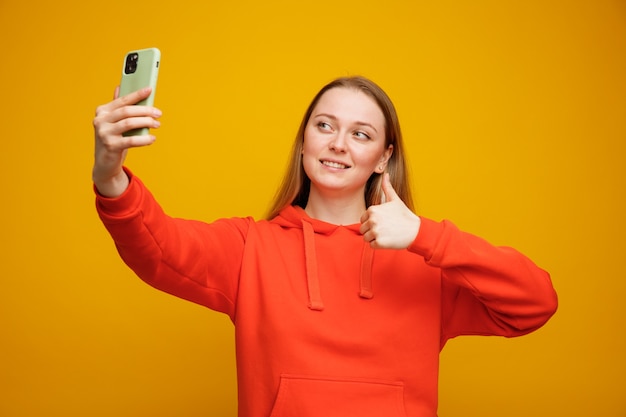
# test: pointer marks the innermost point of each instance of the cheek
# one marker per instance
(311, 144)
(371, 159)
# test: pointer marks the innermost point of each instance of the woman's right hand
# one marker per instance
(111, 121)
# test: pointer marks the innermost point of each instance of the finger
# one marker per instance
(128, 112)
(364, 228)
(364, 217)
(117, 92)
(136, 96)
(127, 100)
(369, 237)
(388, 191)
(127, 142)
(131, 123)
(139, 141)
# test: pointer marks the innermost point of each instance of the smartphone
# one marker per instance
(141, 69)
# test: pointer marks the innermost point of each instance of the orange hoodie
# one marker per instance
(325, 325)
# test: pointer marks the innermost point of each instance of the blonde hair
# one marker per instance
(295, 187)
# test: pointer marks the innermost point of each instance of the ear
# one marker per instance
(382, 163)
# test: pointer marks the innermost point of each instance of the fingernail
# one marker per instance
(157, 123)
(157, 113)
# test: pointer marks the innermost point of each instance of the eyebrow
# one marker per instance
(330, 116)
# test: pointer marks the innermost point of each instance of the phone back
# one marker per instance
(141, 69)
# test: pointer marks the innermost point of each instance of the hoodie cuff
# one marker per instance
(124, 205)
(427, 238)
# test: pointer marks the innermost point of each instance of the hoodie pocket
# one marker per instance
(307, 396)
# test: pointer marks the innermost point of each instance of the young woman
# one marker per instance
(327, 323)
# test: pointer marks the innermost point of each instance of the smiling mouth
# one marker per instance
(336, 165)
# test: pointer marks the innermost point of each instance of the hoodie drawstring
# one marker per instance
(313, 282)
(366, 272)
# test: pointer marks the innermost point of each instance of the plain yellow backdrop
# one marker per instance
(513, 113)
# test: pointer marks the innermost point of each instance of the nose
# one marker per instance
(338, 143)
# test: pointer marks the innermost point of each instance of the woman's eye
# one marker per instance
(323, 125)
(361, 135)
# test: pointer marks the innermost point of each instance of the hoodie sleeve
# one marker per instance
(486, 290)
(196, 261)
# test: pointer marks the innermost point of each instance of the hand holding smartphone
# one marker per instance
(141, 69)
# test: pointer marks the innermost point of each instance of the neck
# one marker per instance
(341, 210)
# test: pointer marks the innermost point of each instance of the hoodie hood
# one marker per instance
(295, 217)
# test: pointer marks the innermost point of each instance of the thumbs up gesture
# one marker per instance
(390, 225)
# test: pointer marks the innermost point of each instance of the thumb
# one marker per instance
(388, 191)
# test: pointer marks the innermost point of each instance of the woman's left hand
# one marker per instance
(390, 225)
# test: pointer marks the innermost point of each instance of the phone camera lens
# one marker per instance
(131, 63)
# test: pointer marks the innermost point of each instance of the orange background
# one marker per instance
(513, 114)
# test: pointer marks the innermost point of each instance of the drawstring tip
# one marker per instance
(366, 293)
(316, 305)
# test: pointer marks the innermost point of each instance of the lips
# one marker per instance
(334, 164)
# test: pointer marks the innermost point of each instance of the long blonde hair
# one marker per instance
(295, 187)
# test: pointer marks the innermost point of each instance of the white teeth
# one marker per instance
(334, 164)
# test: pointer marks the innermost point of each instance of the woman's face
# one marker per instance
(344, 142)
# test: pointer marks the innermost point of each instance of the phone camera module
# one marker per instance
(131, 63)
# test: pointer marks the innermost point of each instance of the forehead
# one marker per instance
(350, 105)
